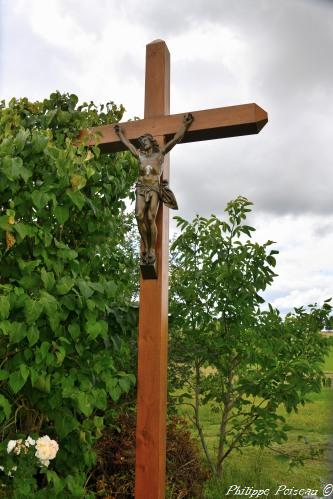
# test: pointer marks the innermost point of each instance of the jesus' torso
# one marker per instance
(150, 167)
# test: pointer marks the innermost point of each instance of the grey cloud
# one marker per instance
(287, 168)
(277, 170)
(323, 229)
(24, 59)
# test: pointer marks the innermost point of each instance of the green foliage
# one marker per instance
(225, 349)
(66, 280)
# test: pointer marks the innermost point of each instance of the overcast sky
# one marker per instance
(275, 53)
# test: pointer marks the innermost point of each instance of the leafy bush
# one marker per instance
(229, 353)
(65, 283)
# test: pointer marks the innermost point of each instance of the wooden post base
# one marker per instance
(148, 270)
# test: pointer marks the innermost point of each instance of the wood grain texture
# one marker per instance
(153, 314)
(219, 123)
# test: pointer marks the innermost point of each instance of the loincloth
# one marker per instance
(165, 194)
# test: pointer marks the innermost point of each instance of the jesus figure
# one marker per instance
(150, 190)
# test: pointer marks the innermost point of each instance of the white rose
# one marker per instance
(10, 446)
(29, 441)
(46, 448)
(2, 468)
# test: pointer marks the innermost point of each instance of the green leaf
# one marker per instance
(6, 327)
(90, 171)
(271, 260)
(60, 354)
(64, 285)
(125, 384)
(32, 309)
(61, 213)
(3, 374)
(97, 286)
(115, 393)
(24, 230)
(43, 384)
(4, 225)
(39, 142)
(29, 281)
(85, 288)
(28, 266)
(84, 404)
(65, 422)
(41, 381)
(20, 139)
(99, 422)
(33, 335)
(67, 383)
(75, 485)
(97, 328)
(66, 254)
(24, 370)
(69, 301)
(111, 289)
(40, 199)
(113, 388)
(17, 381)
(78, 182)
(100, 399)
(25, 173)
(11, 167)
(6, 407)
(48, 279)
(53, 478)
(18, 332)
(4, 307)
(77, 198)
(49, 303)
(74, 330)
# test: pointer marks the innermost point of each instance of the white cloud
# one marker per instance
(304, 264)
(55, 26)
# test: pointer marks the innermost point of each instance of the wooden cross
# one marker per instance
(153, 312)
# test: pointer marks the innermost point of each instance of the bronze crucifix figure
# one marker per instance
(150, 190)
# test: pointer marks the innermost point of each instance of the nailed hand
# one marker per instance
(188, 118)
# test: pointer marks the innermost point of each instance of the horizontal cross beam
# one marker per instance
(232, 121)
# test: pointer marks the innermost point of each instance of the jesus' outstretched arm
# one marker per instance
(187, 120)
(125, 141)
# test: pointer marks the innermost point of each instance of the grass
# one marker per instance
(328, 365)
(261, 468)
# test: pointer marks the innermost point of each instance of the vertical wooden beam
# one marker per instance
(153, 314)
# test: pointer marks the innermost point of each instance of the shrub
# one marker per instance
(228, 352)
(65, 283)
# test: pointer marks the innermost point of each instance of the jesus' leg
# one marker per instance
(140, 207)
(152, 229)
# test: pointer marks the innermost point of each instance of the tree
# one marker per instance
(65, 283)
(226, 350)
